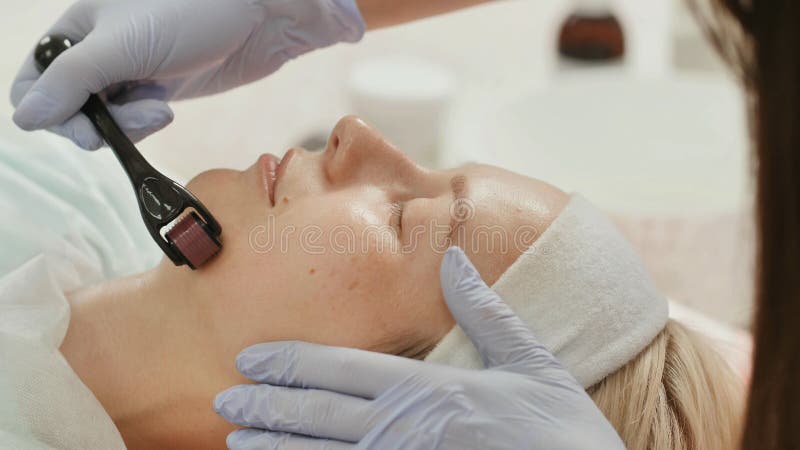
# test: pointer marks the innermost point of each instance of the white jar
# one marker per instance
(406, 99)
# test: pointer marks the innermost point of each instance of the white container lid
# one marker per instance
(405, 98)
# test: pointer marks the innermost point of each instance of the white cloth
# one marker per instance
(583, 291)
(69, 220)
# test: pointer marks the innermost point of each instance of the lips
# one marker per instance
(269, 165)
(272, 169)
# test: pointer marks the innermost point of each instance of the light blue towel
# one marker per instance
(68, 218)
(51, 191)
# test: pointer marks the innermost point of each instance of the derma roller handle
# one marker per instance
(46, 52)
(191, 241)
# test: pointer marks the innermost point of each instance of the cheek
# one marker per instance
(245, 215)
(284, 285)
(422, 286)
(212, 186)
(388, 303)
(369, 302)
(233, 200)
(333, 299)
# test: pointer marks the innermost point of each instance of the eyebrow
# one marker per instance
(458, 185)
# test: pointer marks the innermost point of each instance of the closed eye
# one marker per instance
(396, 216)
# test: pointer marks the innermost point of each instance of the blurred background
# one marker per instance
(657, 138)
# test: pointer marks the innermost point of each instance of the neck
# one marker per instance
(146, 347)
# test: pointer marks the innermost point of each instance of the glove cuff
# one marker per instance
(310, 24)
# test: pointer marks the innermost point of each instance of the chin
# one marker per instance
(211, 183)
(199, 181)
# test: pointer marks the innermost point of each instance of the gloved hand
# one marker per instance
(142, 53)
(316, 397)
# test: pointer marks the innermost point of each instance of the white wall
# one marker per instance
(494, 45)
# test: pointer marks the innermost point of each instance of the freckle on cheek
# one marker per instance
(312, 271)
(352, 286)
(285, 200)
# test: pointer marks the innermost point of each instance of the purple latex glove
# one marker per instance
(140, 54)
(316, 397)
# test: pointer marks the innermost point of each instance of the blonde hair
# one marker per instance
(677, 394)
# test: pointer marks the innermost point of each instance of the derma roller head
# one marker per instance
(176, 219)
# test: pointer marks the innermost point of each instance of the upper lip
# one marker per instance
(284, 163)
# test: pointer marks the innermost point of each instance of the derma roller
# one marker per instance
(192, 235)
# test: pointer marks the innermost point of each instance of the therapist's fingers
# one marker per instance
(344, 370)
(26, 77)
(253, 439)
(80, 131)
(141, 118)
(75, 23)
(311, 412)
(137, 119)
(500, 336)
(87, 67)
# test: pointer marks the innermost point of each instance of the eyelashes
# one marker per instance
(459, 186)
(396, 216)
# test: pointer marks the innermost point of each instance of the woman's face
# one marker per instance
(343, 247)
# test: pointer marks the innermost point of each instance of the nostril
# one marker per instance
(332, 148)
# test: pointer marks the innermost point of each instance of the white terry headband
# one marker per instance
(584, 293)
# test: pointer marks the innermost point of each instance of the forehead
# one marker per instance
(510, 193)
(488, 174)
(511, 212)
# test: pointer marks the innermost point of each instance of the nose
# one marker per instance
(356, 152)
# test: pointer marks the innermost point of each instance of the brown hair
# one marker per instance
(677, 394)
(761, 40)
